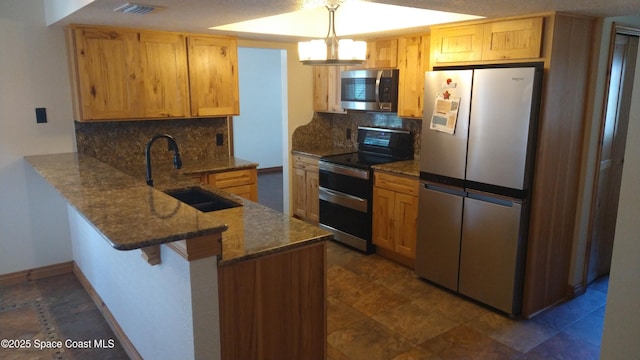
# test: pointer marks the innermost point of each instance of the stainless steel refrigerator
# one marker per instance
(476, 163)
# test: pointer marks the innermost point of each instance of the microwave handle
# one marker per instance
(378, 78)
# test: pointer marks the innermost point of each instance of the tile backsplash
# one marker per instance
(329, 130)
(123, 142)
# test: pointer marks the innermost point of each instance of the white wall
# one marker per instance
(168, 311)
(33, 73)
(257, 132)
(622, 318)
(58, 9)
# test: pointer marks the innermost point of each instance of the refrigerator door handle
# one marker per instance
(445, 189)
(492, 198)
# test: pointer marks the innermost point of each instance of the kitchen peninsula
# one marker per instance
(236, 283)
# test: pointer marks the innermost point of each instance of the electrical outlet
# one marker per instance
(348, 133)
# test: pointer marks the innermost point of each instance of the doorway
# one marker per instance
(613, 135)
(258, 130)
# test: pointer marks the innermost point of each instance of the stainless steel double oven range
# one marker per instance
(346, 184)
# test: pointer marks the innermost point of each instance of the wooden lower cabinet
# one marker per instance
(306, 205)
(240, 182)
(395, 216)
(274, 307)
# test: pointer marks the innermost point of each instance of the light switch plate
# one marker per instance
(41, 115)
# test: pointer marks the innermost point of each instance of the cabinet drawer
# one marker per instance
(396, 183)
(305, 163)
(232, 178)
(243, 191)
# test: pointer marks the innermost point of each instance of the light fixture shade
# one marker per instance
(332, 51)
(314, 50)
(352, 50)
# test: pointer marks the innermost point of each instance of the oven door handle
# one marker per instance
(342, 199)
(343, 170)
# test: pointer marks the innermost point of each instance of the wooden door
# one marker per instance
(163, 83)
(413, 61)
(381, 54)
(321, 88)
(299, 193)
(213, 76)
(312, 183)
(458, 43)
(406, 224)
(106, 68)
(512, 39)
(383, 218)
(326, 89)
(612, 146)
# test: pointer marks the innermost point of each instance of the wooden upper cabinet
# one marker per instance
(413, 61)
(512, 39)
(326, 89)
(382, 54)
(162, 82)
(213, 76)
(105, 73)
(488, 41)
(125, 74)
(454, 44)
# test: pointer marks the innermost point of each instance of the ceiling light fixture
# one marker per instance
(332, 51)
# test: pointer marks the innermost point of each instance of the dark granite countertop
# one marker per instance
(406, 167)
(132, 215)
(215, 164)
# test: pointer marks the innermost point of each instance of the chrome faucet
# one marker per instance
(172, 145)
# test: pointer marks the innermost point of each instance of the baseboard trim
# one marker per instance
(127, 345)
(270, 170)
(576, 290)
(37, 273)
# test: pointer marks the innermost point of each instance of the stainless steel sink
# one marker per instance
(201, 199)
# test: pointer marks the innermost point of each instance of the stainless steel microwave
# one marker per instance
(369, 90)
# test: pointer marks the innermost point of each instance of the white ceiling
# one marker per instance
(199, 15)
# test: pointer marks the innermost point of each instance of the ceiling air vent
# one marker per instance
(138, 9)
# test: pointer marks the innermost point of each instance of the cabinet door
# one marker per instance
(299, 190)
(383, 222)
(459, 43)
(213, 76)
(326, 89)
(406, 221)
(312, 182)
(163, 76)
(382, 54)
(512, 39)
(106, 70)
(413, 61)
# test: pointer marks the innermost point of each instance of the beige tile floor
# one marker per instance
(380, 310)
